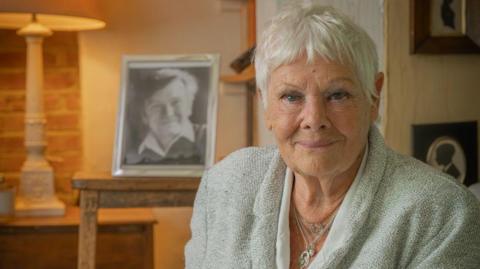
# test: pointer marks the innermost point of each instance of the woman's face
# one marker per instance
(319, 116)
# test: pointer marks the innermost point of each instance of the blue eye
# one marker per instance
(292, 98)
(338, 96)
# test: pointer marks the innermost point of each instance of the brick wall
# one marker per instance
(62, 107)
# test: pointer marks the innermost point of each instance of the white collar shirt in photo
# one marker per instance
(152, 144)
(335, 235)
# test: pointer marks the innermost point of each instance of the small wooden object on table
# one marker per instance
(100, 190)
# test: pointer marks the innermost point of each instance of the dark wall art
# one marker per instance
(444, 26)
(449, 147)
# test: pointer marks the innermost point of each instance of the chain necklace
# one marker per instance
(318, 230)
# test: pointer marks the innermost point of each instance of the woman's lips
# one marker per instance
(315, 144)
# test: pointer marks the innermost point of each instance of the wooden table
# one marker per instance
(100, 190)
(125, 240)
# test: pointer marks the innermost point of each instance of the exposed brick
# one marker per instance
(12, 81)
(69, 163)
(60, 102)
(12, 178)
(63, 181)
(16, 103)
(64, 142)
(12, 122)
(59, 80)
(71, 58)
(63, 121)
(64, 39)
(10, 39)
(11, 162)
(13, 59)
(12, 103)
(3, 104)
(72, 101)
(53, 102)
(60, 57)
(64, 175)
(12, 144)
(50, 59)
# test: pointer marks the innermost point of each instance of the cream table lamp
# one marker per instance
(35, 21)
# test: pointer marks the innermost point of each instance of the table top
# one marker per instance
(104, 180)
(72, 217)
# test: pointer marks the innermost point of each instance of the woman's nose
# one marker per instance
(315, 114)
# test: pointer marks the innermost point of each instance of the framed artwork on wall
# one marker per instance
(166, 119)
(449, 147)
(444, 26)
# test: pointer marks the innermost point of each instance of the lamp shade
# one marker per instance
(58, 15)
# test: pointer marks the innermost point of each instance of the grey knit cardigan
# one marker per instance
(406, 215)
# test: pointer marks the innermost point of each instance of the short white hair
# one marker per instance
(305, 29)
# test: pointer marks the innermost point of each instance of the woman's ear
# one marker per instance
(379, 79)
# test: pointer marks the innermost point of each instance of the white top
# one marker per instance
(475, 188)
(150, 142)
(334, 236)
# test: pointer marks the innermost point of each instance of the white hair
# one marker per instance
(302, 29)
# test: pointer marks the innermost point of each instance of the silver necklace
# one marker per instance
(318, 230)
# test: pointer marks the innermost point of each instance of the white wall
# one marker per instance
(154, 27)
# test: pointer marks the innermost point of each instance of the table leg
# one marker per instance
(87, 229)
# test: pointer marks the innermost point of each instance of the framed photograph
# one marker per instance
(166, 119)
(449, 147)
(445, 26)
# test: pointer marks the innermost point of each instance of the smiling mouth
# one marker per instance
(315, 144)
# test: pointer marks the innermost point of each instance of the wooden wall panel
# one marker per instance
(424, 88)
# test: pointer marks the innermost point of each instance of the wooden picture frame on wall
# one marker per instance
(444, 26)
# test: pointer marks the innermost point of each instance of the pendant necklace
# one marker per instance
(317, 230)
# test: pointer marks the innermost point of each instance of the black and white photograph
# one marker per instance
(166, 121)
(447, 155)
(449, 147)
(447, 18)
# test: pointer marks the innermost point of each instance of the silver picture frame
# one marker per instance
(167, 116)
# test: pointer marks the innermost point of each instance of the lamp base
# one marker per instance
(51, 207)
(37, 194)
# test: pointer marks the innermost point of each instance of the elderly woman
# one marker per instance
(332, 195)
